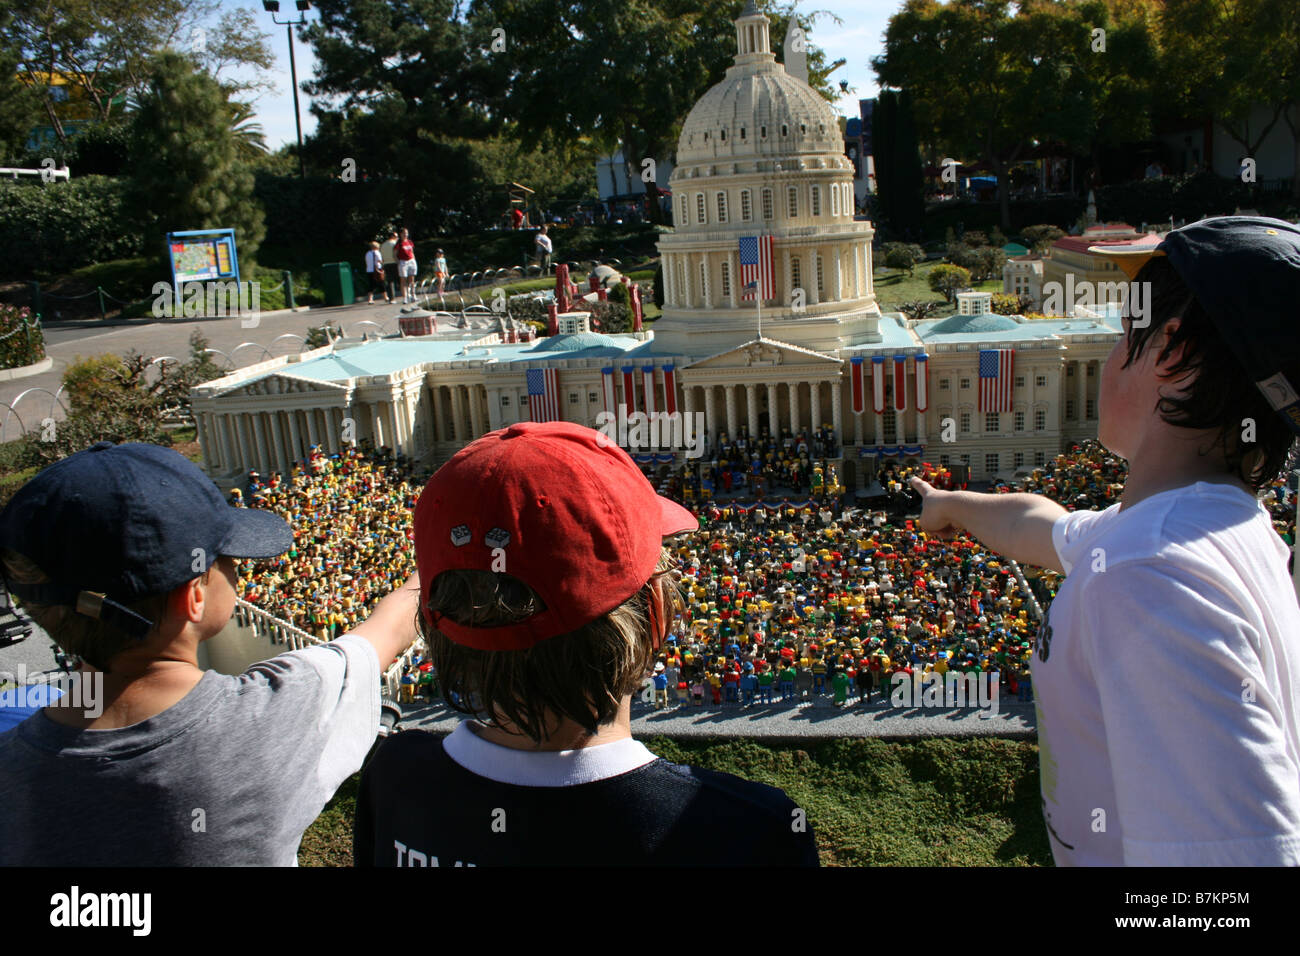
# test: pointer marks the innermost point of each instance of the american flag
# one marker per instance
(757, 266)
(543, 395)
(995, 379)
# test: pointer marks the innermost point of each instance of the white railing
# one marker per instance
(264, 623)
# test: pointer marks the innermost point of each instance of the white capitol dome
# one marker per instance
(759, 110)
(761, 154)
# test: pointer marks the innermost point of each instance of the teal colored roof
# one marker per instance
(983, 324)
(1015, 249)
(577, 342)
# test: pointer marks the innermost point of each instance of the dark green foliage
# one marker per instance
(46, 227)
(185, 167)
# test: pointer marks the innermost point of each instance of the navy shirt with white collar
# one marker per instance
(465, 801)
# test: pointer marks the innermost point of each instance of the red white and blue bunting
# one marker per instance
(878, 383)
(629, 388)
(855, 378)
(922, 382)
(607, 380)
(648, 371)
(670, 390)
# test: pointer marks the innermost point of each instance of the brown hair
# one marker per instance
(92, 640)
(583, 675)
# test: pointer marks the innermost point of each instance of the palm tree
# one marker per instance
(250, 141)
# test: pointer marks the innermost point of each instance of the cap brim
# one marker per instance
(257, 534)
(674, 519)
(1130, 261)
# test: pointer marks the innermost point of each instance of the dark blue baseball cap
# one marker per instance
(1245, 272)
(116, 523)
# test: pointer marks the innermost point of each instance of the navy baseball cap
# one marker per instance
(1245, 272)
(116, 523)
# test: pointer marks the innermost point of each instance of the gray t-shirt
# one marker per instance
(230, 775)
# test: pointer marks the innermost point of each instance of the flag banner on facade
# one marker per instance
(878, 383)
(670, 390)
(629, 388)
(890, 451)
(995, 379)
(607, 380)
(855, 378)
(657, 458)
(922, 382)
(757, 266)
(900, 383)
(648, 371)
(543, 394)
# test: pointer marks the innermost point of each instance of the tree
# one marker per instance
(903, 255)
(949, 280)
(1039, 238)
(1027, 75)
(643, 64)
(919, 309)
(404, 87)
(22, 105)
(185, 170)
(1011, 303)
(250, 141)
(105, 49)
(900, 180)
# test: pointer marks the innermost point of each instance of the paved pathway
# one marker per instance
(68, 341)
(791, 721)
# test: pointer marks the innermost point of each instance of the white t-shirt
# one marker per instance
(1167, 678)
(543, 243)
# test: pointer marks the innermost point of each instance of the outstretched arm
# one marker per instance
(390, 628)
(1018, 526)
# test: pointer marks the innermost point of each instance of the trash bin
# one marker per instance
(336, 280)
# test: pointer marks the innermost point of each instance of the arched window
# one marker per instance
(722, 207)
(816, 200)
(835, 200)
(746, 209)
(768, 211)
(701, 214)
(792, 203)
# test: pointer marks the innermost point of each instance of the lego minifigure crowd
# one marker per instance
(784, 601)
(351, 520)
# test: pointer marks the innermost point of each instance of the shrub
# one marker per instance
(60, 226)
(1039, 238)
(1011, 303)
(903, 255)
(22, 341)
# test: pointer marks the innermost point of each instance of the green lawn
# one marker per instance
(935, 802)
(894, 287)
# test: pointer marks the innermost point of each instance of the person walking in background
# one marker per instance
(544, 250)
(388, 253)
(440, 271)
(375, 272)
(406, 266)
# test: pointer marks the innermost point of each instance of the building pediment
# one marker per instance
(280, 384)
(763, 352)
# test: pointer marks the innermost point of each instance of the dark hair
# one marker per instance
(1220, 394)
(583, 675)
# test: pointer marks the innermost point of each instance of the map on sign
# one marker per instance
(202, 255)
(196, 260)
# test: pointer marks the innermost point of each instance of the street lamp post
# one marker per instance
(273, 7)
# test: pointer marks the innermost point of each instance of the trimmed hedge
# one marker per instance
(52, 228)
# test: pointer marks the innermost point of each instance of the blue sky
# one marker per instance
(859, 38)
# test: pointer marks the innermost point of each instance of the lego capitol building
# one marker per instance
(759, 155)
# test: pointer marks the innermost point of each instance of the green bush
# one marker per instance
(22, 341)
(1011, 303)
(53, 228)
(948, 280)
(903, 255)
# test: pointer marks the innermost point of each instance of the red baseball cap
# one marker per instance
(556, 505)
